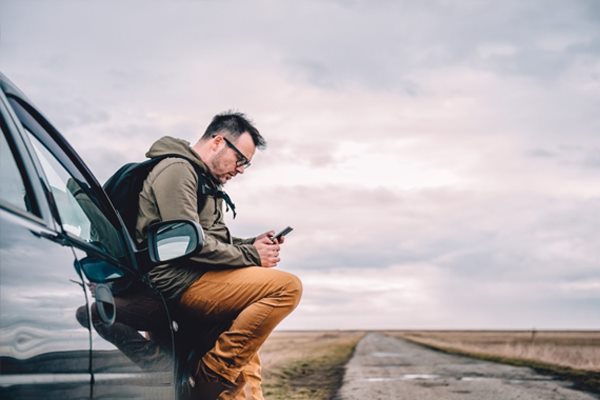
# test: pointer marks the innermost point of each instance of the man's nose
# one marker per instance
(240, 169)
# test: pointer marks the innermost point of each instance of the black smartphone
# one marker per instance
(284, 232)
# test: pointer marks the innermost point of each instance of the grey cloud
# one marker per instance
(541, 153)
(126, 143)
(105, 162)
(316, 153)
(124, 75)
(569, 156)
(474, 237)
(74, 114)
(536, 64)
(570, 148)
(315, 73)
(592, 158)
(449, 301)
(375, 44)
(322, 160)
(382, 55)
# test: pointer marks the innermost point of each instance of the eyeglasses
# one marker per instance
(242, 161)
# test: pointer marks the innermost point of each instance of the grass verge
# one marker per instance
(582, 379)
(314, 377)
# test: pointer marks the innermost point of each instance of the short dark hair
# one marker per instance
(234, 124)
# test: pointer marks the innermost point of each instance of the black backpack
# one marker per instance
(124, 186)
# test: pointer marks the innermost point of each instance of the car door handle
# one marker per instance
(105, 304)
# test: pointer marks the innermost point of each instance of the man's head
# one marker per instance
(228, 145)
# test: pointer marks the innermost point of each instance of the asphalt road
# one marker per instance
(389, 368)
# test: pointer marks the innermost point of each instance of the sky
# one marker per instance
(438, 160)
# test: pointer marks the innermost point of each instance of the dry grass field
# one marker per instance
(575, 349)
(573, 354)
(306, 365)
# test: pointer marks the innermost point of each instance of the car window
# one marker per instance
(12, 184)
(77, 202)
(79, 214)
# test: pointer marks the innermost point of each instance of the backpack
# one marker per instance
(124, 186)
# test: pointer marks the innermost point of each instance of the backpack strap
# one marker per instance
(206, 186)
(206, 190)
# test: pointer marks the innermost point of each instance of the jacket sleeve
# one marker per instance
(242, 241)
(175, 192)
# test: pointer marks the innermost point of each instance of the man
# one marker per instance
(230, 279)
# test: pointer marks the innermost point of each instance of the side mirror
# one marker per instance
(171, 240)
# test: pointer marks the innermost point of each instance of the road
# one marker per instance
(390, 368)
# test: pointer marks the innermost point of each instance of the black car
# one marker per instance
(78, 320)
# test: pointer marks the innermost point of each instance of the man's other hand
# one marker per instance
(268, 249)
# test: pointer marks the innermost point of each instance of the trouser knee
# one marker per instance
(293, 288)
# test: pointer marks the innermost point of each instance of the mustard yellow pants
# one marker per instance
(256, 299)
(249, 383)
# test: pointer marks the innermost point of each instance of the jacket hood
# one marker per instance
(170, 145)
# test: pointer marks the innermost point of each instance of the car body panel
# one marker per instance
(54, 341)
(43, 350)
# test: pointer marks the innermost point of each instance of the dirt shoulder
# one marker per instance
(306, 365)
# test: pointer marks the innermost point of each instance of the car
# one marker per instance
(78, 318)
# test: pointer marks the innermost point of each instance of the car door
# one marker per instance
(131, 338)
(44, 351)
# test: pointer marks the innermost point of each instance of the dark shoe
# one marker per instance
(207, 384)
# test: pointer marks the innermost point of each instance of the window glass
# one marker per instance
(80, 216)
(12, 187)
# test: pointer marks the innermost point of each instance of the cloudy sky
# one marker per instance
(439, 160)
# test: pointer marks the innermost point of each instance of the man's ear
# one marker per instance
(216, 142)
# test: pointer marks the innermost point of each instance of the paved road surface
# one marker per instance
(390, 368)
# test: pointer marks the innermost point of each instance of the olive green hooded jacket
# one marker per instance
(171, 192)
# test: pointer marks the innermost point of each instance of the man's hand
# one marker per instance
(268, 249)
(270, 235)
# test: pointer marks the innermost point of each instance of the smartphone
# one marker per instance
(284, 232)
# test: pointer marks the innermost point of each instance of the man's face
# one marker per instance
(226, 162)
